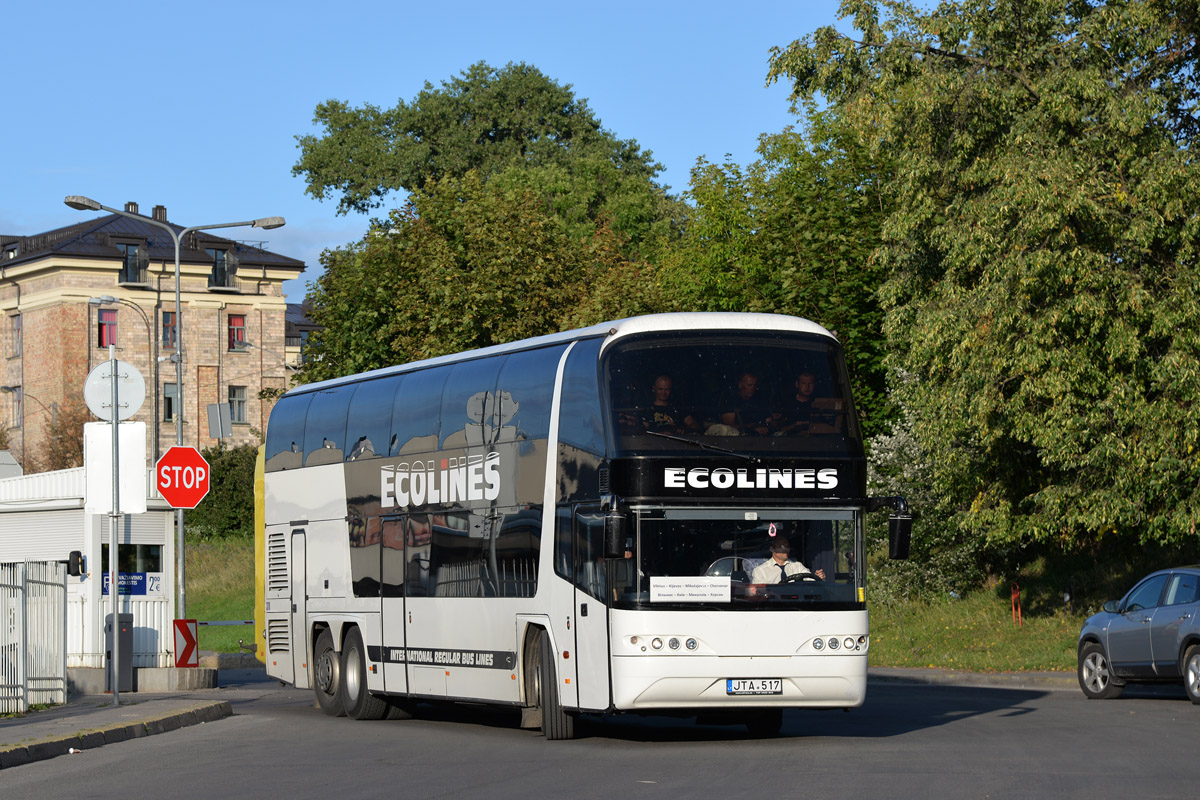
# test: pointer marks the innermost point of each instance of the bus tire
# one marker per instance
(327, 676)
(556, 723)
(360, 703)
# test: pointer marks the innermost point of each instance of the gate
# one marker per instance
(33, 635)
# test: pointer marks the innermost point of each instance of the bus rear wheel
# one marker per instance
(556, 723)
(359, 702)
(327, 676)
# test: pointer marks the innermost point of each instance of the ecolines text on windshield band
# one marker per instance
(447, 479)
(722, 478)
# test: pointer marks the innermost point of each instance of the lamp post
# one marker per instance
(266, 223)
(151, 352)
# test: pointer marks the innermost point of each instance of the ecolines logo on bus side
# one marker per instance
(418, 483)
(705, 478)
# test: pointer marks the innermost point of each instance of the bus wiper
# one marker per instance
(703, 445)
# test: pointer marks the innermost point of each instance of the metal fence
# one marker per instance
(33, 635)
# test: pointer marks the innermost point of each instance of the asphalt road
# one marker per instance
(907, 741)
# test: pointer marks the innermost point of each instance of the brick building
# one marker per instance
(66, 294)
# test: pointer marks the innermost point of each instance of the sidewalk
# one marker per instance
(89, 721)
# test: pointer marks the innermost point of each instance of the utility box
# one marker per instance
(124, 651)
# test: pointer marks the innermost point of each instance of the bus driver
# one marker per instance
(780, 566)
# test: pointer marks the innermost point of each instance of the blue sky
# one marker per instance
(197, 106)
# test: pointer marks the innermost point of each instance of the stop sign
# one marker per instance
(182, 477)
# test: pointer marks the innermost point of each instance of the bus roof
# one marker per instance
(649, 323)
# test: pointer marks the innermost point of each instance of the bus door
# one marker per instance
(391, 590)
(299, 596)
(592, 594)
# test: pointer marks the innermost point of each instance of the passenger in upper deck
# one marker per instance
(797, 412)
(663, 415)
(744, 412)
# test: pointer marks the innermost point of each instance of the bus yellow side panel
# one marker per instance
(260, 557)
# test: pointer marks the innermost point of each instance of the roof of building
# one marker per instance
(98, 238)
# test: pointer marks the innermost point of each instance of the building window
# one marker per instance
(237, 331)
(237, 404)
(106, 327)
(134, 261)
(169, 326)
(14, 335)
(17, 395)
(170, 401)
(224, 271)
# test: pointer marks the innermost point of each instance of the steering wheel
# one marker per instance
(801, 576)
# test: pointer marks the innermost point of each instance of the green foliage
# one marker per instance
(228, 509)
(1041, 253)
(466, 264)
(792, 233)
(513, 122)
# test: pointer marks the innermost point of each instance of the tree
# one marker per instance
(792, 233)
(465, 264)
(62, 447)
(228, 509)
(493, 122)
(1041, 252)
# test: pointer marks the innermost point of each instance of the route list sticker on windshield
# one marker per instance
(690, 590)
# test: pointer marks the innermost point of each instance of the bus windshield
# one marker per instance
(731, 559)
(779, 393)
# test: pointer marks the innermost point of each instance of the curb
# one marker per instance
(89, 740)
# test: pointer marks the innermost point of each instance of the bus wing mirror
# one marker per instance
(614, 535)
(75, 563)
(899, 536)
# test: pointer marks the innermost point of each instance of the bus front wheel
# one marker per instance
(327, 676)
(556, 723)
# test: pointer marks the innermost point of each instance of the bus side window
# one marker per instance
(469, 404)
(369, 426)
(285, 432)
(416, 410)
(325, 428)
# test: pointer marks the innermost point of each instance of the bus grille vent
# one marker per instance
(604, 486)
(278, 636)
(277, 566)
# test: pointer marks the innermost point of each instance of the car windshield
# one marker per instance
(742, 559)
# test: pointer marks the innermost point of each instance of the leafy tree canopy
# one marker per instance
(792, 234)
(492, 122)
(1041, 250)
(465, 264)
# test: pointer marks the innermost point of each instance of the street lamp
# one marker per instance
(151, 352)
(266, 223)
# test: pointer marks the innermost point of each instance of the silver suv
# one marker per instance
(1151, 635)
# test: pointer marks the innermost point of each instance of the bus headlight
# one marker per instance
(818, 643)
(673, 643)
(833, 643)
(656, 643)
(849, 643)
(691, 644)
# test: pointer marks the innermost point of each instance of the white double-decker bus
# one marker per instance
(577, 523)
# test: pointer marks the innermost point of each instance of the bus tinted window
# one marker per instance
(469, 404)
(580, 422)
(526, 391)
(369, 430)
(325, 428)
(779, 393)
(285, 433)
(415, 412)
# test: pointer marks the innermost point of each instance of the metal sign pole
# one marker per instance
(114, 577)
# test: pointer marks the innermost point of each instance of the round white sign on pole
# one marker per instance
(131, 390)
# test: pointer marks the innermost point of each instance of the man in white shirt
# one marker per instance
(780, 566)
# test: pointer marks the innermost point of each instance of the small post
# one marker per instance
(114, 578)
